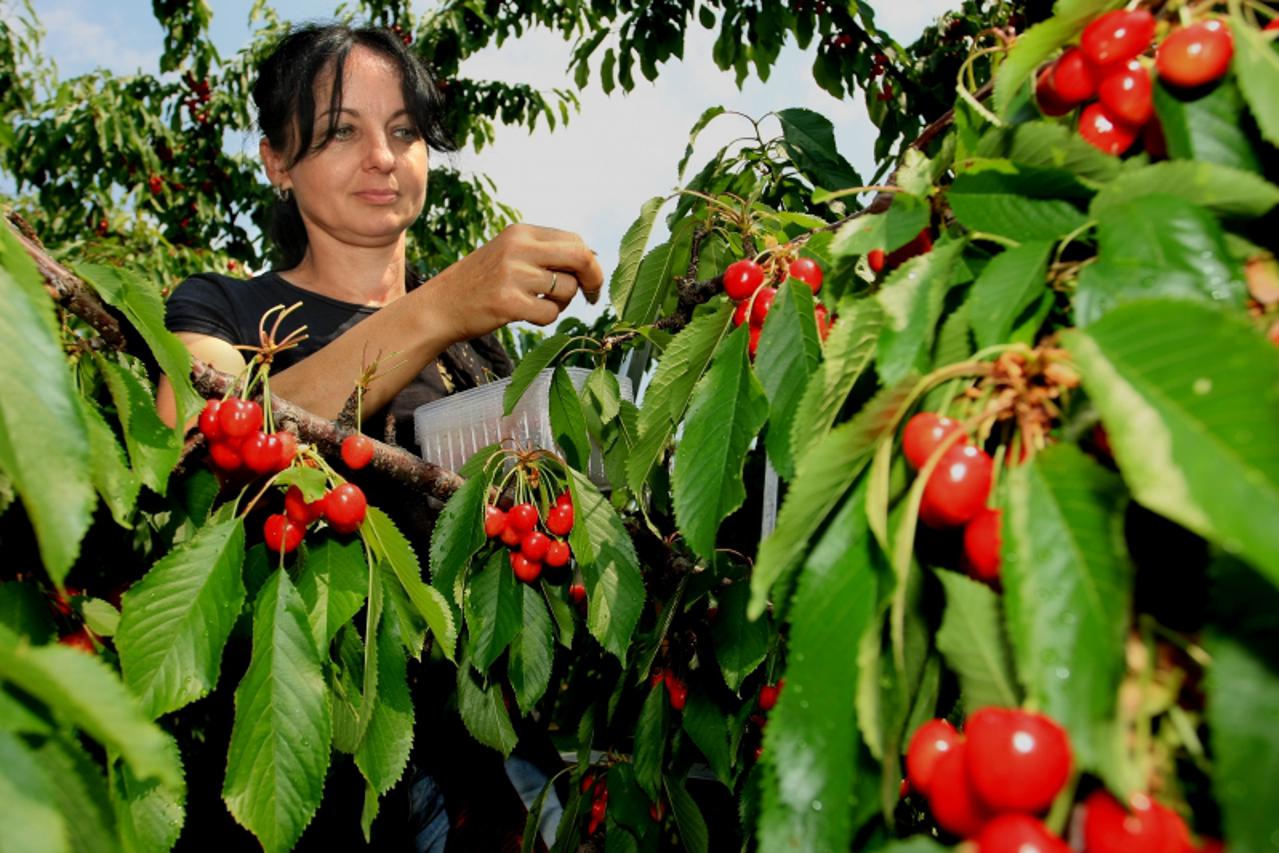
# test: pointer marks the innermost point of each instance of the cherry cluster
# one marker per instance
(599, 801)
(768, 696)
(676, 688)
(233, 429)
(343, 507)
(1108, 74)
(744, 284)
(956, 493)
(878, 260)
(530, 547)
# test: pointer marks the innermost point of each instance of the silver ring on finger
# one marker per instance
(554, 281)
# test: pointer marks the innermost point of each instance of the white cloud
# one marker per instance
(81, 37)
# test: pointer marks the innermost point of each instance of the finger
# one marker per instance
(571, 255)
(562, 288)
(540, 312)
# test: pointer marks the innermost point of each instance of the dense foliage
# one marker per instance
(1021, 411)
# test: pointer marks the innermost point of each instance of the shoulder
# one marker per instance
(220, 305)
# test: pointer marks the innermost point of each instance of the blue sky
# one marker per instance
(591, 176)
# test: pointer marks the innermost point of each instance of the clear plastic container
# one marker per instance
(451, 430)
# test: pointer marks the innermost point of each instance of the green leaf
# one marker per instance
(996, 202)
(704, 119)
(176, 620)
(143, 306)
(811, 746)
(1158, 246)
(1012, 282)
(727, 410)
(1224, 191)
(149, 816)
(397, 551)
(1193, 419)
(532, 650)
(740, 643)
(972, 639)
(312, 482)
(656, 277)
(112, 477)
(849, 351)
(809, 140)
(1067, 588)
(280, 741)
(822, 478)
(606, 557)
(1047, 145)
(484, 712)
(533, 363)
(650, 741)
(153, 445)
(703, 720)
(100, 616)
(892, 229)
(682, 365)
(1039, 42)
(44, 442)
(332, 580)
(494, 608)
(81, 795)
(1256, 65)
(912, 300)
(1206, 126)
(28, 801)
(789, 351)
(602, 389)
(630, 253)
(25, 611)
(86, 693)
(384, 752)
(458, 535)
(1243, 701)
(693, 834)
(568, 423)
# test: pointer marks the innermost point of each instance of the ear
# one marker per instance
(273, 162)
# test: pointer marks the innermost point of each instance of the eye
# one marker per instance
(343, 132)
(407, 133)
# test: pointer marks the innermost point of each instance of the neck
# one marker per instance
(372, 275)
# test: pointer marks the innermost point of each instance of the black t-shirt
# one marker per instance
(231, 309)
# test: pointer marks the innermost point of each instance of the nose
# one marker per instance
(378, 155)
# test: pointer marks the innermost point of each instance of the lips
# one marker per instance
(378, 196)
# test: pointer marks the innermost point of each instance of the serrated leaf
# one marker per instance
(650, 741)
(149, 815)
(484, 712)
(822, 478)
(494, 609)
(112, 477)
(789, 351)
(143, 306)
(1067, 587)
(1224, 191)
(384, 751)
(726, 412)
(312, 482)
(703, 721)
(533, 363)
(568, 423)
(704, 119)
(1243, 700)
(811, 746)
(809, 140)
(87, 694)
(656, 277)
(1193, 419)
(892, 229)
(1039, 42)
(1012, 281)
(532, 650)
(280, 741)
(912, 300)
(24, 610)
(44, 442)
(995, 202)
(972, 639)
(740, 643)
(630, 253)
(1256, 65)
(176, 620)
(693, 834)
(153, 445)
(682, 364)
(606, 557)
(28, 801)
(1051, 146)
(1206, 126)
(602, 388)
(100, 617)
(458, 535)
(81, 795)
(332, 579)
(399, 554)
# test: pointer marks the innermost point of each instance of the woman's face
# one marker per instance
(367, 186)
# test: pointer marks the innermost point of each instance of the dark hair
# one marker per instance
(284, 95)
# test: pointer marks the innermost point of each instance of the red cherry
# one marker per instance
(534, 546)
(981, 545)
(1127, 94)
(238, 418)
(1148, 828)
(875, 259)
(1018, 833)
(281, 534)
(156, 184)
(344, 507)
(742, 278)
(288, 449)
(558, 554)
(1050, 103)
(509, 535)
(822, 316)
(209, 426)
(522, 518)
(261, 452)
(560, 519)
(587, 782)
(1195, 55)
(1074, 78)
(525, 569)
(676, 691)
(930, 742)
(958, 487)
(807, 271)
(1018, 761)
(225, 455)
(565, 499)
(753, 343)
(1104, 131)
(951, 799)
(768, 695)
(921, 245)
(357, 451)
(577, 592)
(656, 677)
(762, 304)
(922, 435)
(494, 521)
(79, 640)
(657, 811)
(1117, 36)
(741, 312)
(1273, 25)
(299, 510)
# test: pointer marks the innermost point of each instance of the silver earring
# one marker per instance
(283, 193)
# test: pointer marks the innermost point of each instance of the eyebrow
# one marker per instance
(356, 113)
